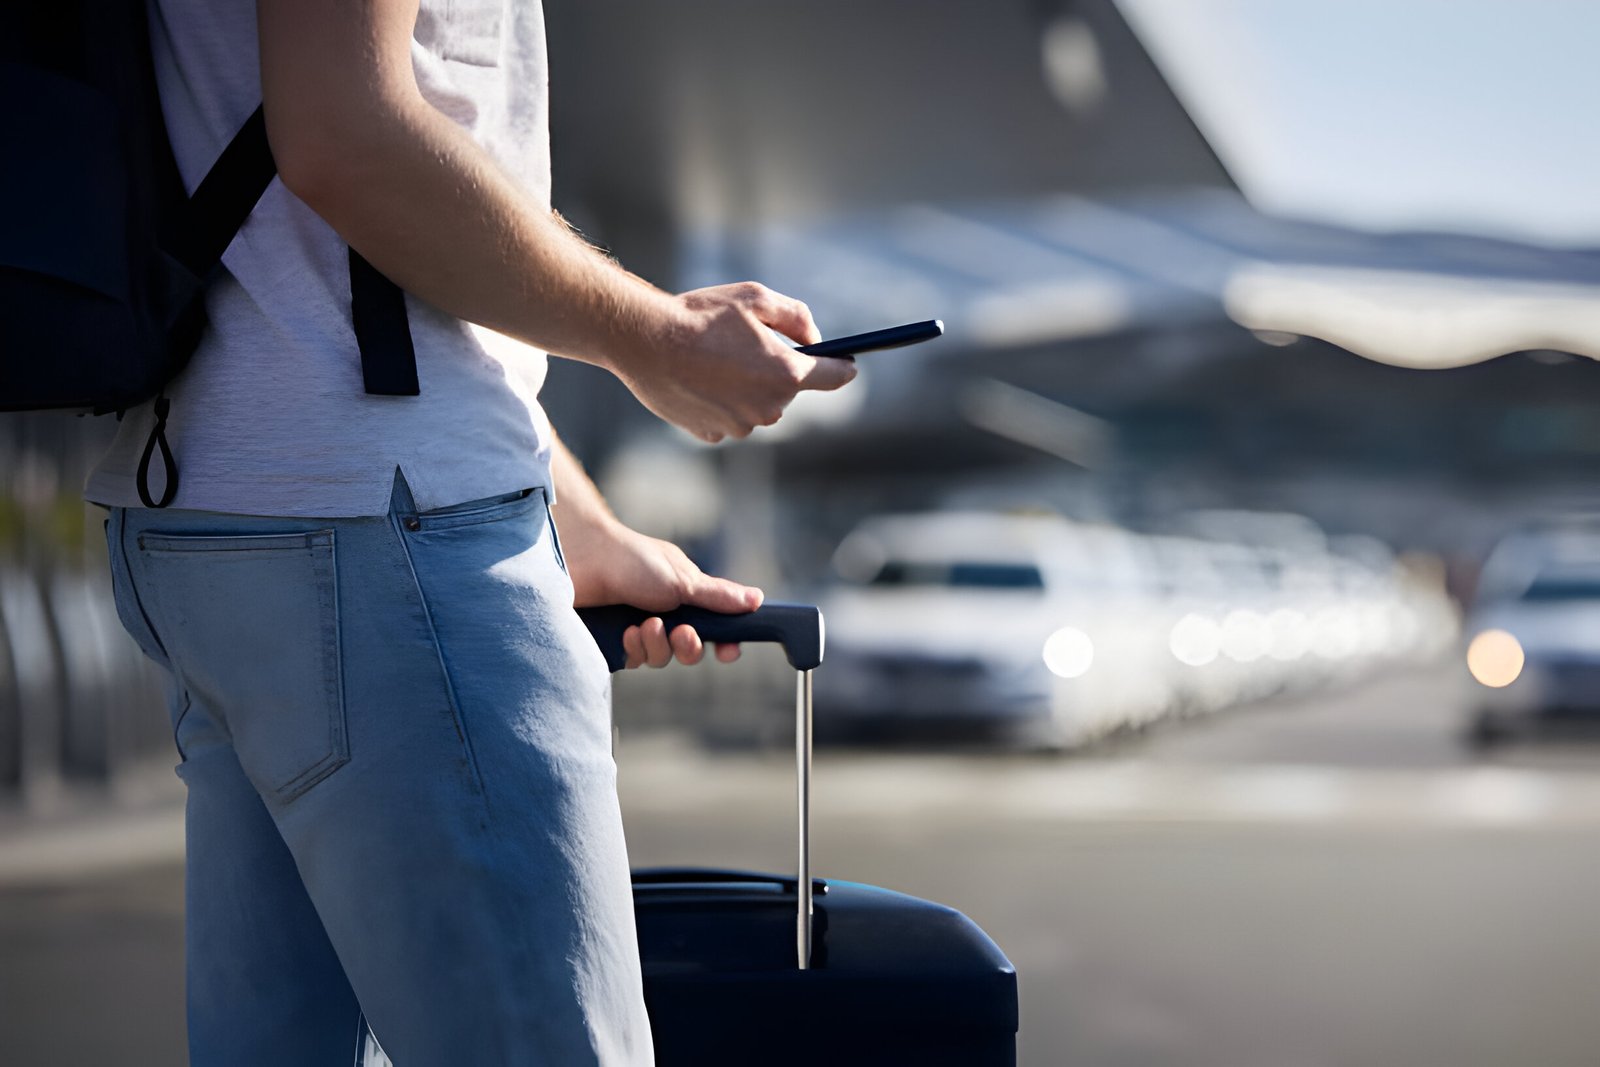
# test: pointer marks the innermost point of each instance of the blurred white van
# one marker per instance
(1042, 625)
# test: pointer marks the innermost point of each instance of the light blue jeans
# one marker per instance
(395, 734)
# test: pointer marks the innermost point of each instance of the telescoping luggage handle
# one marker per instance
(798, 628)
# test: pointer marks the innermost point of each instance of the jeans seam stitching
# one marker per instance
(133, 589)
(444, 668)
(555, 538)
(157, 544)
(177, 722)
(326, 556)
(321, 548)
(507, 509)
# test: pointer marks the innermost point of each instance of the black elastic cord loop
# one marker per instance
(158, 437)
(383, 333)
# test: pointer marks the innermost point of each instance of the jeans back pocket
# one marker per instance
(130, 611)
(474, 512)
(251, 626)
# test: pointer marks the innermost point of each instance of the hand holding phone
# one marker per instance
(876, 340)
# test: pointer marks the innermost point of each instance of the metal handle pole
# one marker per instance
(802, 745)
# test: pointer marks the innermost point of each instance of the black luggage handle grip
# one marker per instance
(797, 627)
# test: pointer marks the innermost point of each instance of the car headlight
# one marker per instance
(1196, 640)
(1068, 653)
(1495, 658)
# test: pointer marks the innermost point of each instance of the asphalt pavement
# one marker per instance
(1319, 881)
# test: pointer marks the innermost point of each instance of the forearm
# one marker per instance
(424, 203)
(580, 511)
(612, 564)
(364, 149)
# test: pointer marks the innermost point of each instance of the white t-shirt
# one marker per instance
(270, 417)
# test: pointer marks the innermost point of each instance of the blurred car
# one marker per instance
(1534, 636)
(1057, 632)
(1041, 626)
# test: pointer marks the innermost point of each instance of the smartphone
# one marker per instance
(894, 337)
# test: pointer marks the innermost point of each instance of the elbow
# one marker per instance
(311, 162)
(336, 157)
(334, 80)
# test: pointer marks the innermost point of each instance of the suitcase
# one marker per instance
(748, 968)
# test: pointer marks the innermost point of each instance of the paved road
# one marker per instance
(1328, 881)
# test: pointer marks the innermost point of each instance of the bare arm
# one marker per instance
(424, 203)
(612, 564)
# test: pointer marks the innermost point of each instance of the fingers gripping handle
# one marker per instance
(797, 627)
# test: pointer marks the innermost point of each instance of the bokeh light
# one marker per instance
(1495, 658)
(1069, 653)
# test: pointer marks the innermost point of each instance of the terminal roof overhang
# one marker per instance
(1057, 269)
(1173, 303)
(700, 159)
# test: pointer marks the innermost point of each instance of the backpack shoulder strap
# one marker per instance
(225, 197)
(383, 331)
(218, 208)
(214, 214)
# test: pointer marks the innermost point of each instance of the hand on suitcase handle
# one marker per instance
(797, 627)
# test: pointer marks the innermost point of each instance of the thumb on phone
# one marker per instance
(827, 373)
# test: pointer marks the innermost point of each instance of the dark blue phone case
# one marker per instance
(876, 340)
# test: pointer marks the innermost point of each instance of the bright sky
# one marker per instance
(1468, 115)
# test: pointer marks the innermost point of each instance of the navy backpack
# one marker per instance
(104, 257)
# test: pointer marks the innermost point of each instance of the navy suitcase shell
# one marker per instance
(771, 971)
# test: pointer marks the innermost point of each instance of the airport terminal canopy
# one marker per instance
(1060, 181)
(1086, 146)
(1060, 268)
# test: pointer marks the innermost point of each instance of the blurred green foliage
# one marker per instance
(57, 531)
